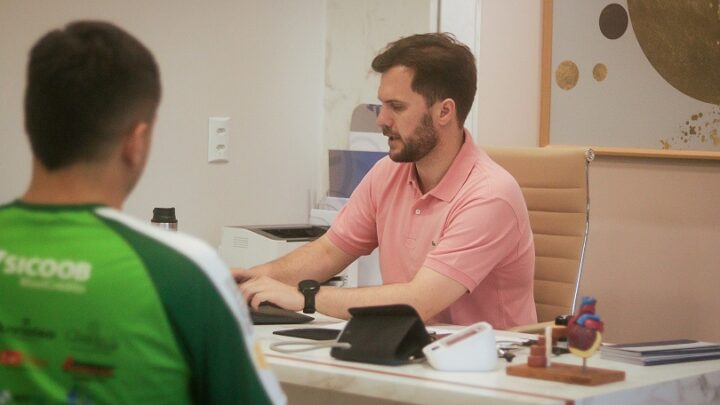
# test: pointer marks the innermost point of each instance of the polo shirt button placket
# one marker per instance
(418, 211)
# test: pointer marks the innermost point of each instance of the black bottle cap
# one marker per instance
(562, 319)
(164, 215)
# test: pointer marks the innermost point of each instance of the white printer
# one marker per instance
(248, 246)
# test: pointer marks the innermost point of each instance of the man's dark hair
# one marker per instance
(87, 85)
(442, 66)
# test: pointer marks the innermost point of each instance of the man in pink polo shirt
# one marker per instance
(452, 226)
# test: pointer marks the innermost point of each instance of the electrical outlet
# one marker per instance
(218, 139)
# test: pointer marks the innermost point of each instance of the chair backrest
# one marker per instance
(554, 182)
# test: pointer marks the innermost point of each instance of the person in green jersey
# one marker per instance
(95, 306)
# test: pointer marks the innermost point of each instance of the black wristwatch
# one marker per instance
(309, 288)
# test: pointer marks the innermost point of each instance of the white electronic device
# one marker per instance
(248, 246)
(470, 349)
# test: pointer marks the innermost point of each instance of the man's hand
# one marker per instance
(261, 289)
(241, 275)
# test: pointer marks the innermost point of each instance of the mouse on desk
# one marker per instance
(266, 304)
(272, 314)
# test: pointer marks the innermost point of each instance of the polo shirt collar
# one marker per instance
(458, 172)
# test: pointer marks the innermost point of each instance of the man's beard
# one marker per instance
(416, 147)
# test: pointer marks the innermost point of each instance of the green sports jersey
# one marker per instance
(97, 307)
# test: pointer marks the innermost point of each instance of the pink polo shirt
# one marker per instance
(473, 227)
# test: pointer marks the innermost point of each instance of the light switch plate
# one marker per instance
(218, 139)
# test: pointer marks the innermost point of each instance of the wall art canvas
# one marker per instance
(635, 77)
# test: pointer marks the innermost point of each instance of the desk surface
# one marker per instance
(694, 382)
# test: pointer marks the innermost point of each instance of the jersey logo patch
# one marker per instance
(46, 272)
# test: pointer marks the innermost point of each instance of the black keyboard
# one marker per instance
(270, 314)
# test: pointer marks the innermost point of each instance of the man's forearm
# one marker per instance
(291, 268)
(429, 293)
(335, 301)
(318, 260)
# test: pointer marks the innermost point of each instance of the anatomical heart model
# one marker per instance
(584, 331)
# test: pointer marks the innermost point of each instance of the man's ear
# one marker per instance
(447, 112)
(136, 144)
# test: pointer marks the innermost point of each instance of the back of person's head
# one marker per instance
(442, 66)
(87, 85)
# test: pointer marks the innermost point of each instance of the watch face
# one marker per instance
(308, 285)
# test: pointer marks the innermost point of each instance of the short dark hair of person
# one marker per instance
(442, 66)
(87, 85)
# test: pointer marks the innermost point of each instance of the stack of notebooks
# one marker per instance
(654, 353)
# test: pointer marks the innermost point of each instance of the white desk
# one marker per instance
(323, 379)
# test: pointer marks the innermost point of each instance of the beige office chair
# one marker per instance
(554, 182)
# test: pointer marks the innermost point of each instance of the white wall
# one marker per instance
(260, 62)
(509, 72)
(462, 19)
